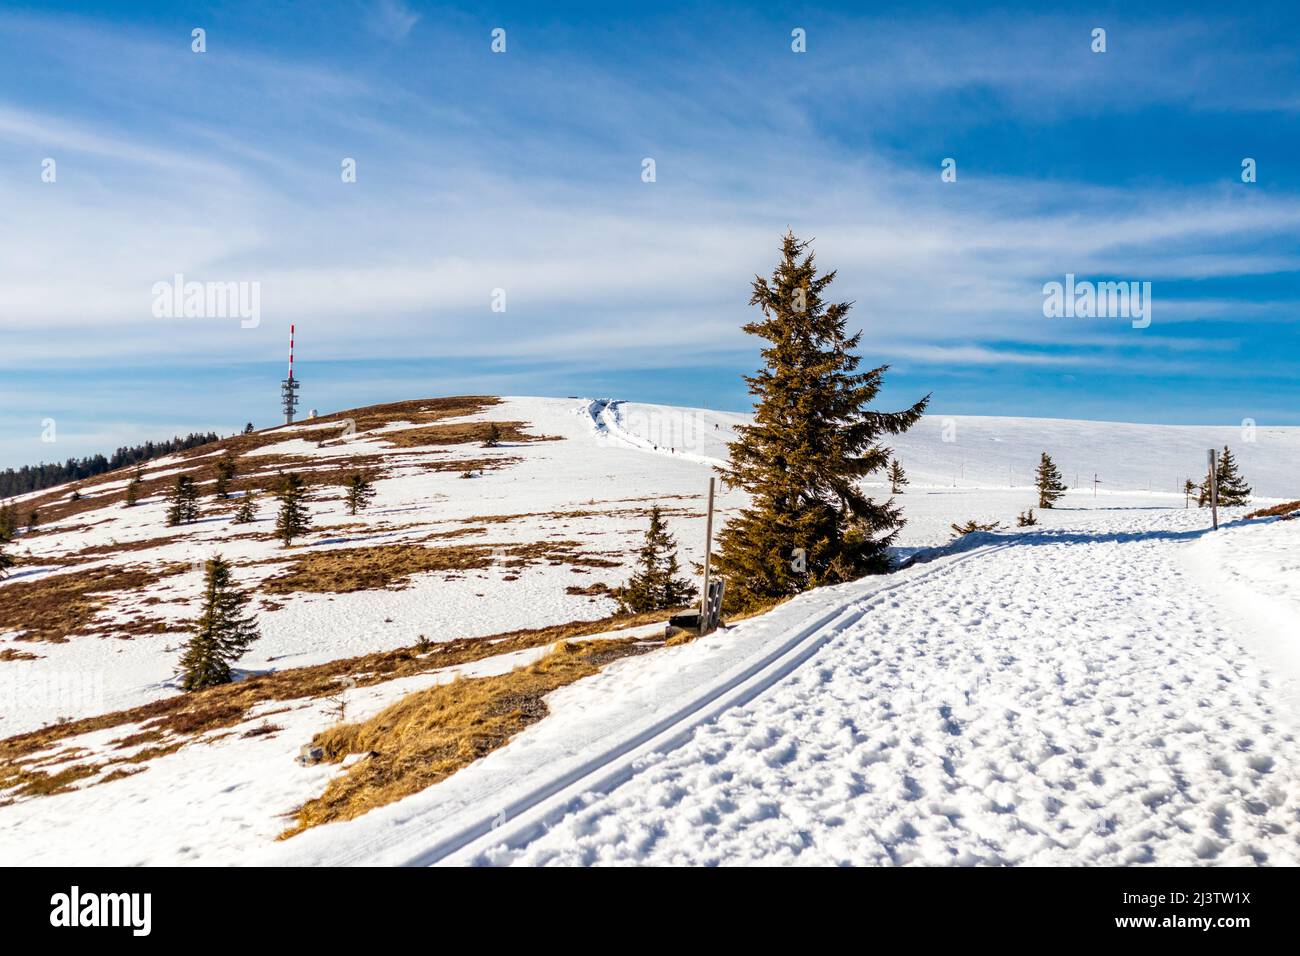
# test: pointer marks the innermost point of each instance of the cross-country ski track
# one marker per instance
(1066, 699)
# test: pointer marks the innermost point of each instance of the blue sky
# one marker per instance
(522, 171)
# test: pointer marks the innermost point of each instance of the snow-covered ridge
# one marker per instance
(1037, 630)
(967, 451)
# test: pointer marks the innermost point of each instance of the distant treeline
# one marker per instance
(18, 481)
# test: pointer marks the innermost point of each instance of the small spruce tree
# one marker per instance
(1048, 480)
(182, 501)
(654, 586)
(293, 518)
(971, 526)
(33, 519)
(897, 479)
(226, 469)
(247, 510)
(133, 488)
(7, 560)
(493, 436)
(8, 522)
(360, 492)
(248, 429)
(1026, 519)
(1232, 487)
(1189, 489)
(221, 635)
(813, 439)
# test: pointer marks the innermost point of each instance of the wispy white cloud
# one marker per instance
(390, 19)
(452, 202)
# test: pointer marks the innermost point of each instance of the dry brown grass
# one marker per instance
(342, 570)
(461, 433)
(1288, 510)
(580, 514)
(55, 607)
(418, 411)
(463, 465)
(427, 736)
(174, 721)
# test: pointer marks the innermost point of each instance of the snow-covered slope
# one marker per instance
(1094, 635)
(964, 451)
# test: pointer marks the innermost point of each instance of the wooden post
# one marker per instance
(1214, 491)
(708, 554)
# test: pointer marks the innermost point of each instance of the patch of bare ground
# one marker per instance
(580, 514)
(463, 465)
(342, 570)
(58, 606)
(420, 411)
(173, 722)
(1284, 511)
(13, 654)
(461, 433)
(598, 587)
(427, 736)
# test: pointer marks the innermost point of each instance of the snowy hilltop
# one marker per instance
(1113, 684)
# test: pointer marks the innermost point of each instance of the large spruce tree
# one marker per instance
(222, 633)
(654, 586)
(1048, 481)
(812, 441)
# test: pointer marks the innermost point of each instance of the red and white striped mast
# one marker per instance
(289, 387)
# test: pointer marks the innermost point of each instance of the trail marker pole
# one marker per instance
(1214, 491)
(708, 549)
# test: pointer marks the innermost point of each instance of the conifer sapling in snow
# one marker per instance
(247, 510)
(182, 501)
(133, 488)
(493, 436)
(7, 560)
(360, 492)
(1026, 519)
(226, 469)
(293, 518)
(33, 519)
(1048, 481)
(897, 479)
(811, 442)
(1232, 487)
(654, 585)
(1189, 489)
(221, 635)
(8, 522)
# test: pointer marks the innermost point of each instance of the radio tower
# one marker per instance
(289, 387)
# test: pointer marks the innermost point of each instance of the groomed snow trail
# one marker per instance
(1069, 700)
